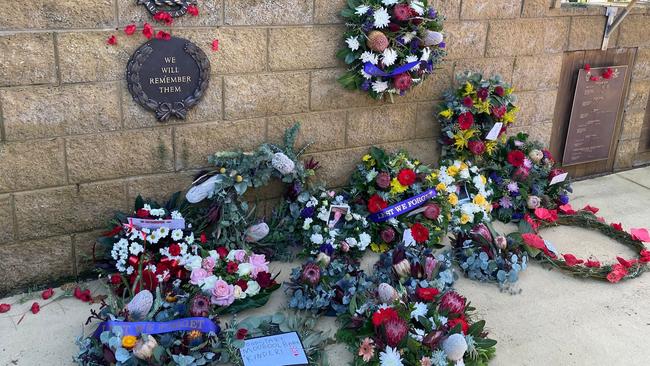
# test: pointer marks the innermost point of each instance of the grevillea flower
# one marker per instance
(406, 177)
(453, 302)
(376, 204)
(394, 331)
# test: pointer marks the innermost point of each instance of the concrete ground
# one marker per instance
(556, 320)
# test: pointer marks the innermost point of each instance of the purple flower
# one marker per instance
(505, 202)
(365, 85)
(442, 45)
(307, 212)
(415, 44)
(517, 216)
(326, 248)
(432, 13)
(564, 199)
(367, 26)
(399, 40)
(513, 187)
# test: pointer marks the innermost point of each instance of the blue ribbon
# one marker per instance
(373, 70)
(204, 325)
(403, 206)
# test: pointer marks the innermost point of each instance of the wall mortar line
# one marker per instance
(57, 68)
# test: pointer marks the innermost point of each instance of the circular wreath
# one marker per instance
(470, 114)
(391, 45)
(382, 180)
(586, 268)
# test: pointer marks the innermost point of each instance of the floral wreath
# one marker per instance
(524, 178)
(468, 192)
(391, 45)
(475, 117)
(591, 267)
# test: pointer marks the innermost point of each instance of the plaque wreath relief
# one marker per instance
(168, 76)
(175, 8)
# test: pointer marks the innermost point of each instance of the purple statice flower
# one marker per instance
(527, 163)
(496, 178)
(400, 40)
(432, 13)
(326, 248)
(307, 212)
(367, 26)
(505, 202)
(415, 45)
(513, 187)
(564, 199)
(365, 86)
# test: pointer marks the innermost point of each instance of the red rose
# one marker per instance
(115, 279)
(376, 204)
(499, 91)
(142, 213)
(483, 94)
(147, 31)
(264, 280)
(242, 283)
(466, 120)
(406, 177)
(381, 316)
(402, 81)
(162, 35)
(47, 293)
(175, 250)
(468, 102)
(476, 147)
(242, 333)
(402, 12)
(112, 41)
(35, 308)
(420, 233)
(516, 158)
(193, 10)
(460, 320)
(222, 251)
(426, 293)
(232, 267)
(571, 260)
(203, 238)
(129, 29)
(4, 308)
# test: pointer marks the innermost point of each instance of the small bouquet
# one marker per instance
(475, 117)
(391, 45)
(324, 286)
(524, 178)
(432, 329)
(399, 194)
(468, 193)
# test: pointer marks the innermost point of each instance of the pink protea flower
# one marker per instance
(452, 302)
(394, 331)
(310, 274)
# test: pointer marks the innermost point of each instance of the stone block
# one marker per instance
(328, 11)
(466, 39)
(535, 107)
(625, 154)
(35, 112)
(632, 125)
(261, 95)
(373, 126)
(268, 12)
(430, 89)
(241, 50)
(36, 261)
(27, 58)
(515, 37)
(450, 9)
(297, 48)
(637, 98)
(60, 14)
(327, 92)
(31, 164)
(194, 143)
(7, 219)
(481, 9)
(539, 131)
(536, 8)
(337, 165)
(83, 244)
(556, 34)
(426, 122)
(210, 12)
(641, 70)
(122, 154)
(634, 31)
(158, 187)
(487, 66)
(587, 33)
(68, 209)
(427, 151)
(85, 56)
(537, 72)
(323, 130)
(207, 109)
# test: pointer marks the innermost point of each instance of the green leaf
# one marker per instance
(477, 328)
(347, 13)
(139, 203)
(350, 58)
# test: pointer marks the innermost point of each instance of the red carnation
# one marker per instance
(193, 10)
(35, 308)
(222, 251)
(112, 41)
(376, 204)
(476, 147)
(381, 316)
(242, 283)
(232, 267)
(464, 327)
(402, 81)
(571, 260)
(241, 333)
(516, 158)
(468, 102)
(147, 31)
(393, 27)
(129, 29)
(420, 233)
(402, 12)
(426, 293)
(406, 177)
(175, 250)
(465, 120)
(47, 293)
(499, 91)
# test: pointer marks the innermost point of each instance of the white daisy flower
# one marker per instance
(390, 56)
(163, 231)
(381, 18)
(368, 56)
(177, 234)
(390, 357)
(408, 37)
(353, 43)
(361, 9)
(176, 215)
(379, 86)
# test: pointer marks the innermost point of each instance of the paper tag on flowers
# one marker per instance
(155, 224)
(281, 349)
(494, 132)
(559, 178)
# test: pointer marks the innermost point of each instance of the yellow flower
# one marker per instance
(129, 341)
(463, 166)
(432, 177)
(222, 170)
(453, 199)
(368, 160)
(397, 187)
(447, 113)
(379, 248)
(441, 187)
(462, 138)
(509, 117)
(479, 200)
(417, 162)
(490, 146)
(239, 179)
(483, 179)
(468, 89)
(464, 219)
(453, 170)
(509, 91)
(482, 106)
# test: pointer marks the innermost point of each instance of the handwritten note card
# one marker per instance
(277, 350)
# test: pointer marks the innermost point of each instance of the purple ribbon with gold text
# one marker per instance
(204, 325)
(403, 206)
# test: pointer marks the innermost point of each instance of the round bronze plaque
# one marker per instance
(168, 77)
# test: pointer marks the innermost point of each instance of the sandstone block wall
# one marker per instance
(74, 146)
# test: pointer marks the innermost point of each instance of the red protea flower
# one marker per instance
(310, 274)
(406, 177)
(476, 147)
(452, 302)
(394, 331)
(464, 327)
(402, 81)
(432, 211)
(381, 316)
(499, 91)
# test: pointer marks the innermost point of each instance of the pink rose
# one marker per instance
(208, 263)
(198, 275)
(238, 255)
(259, 263)
(223, 294)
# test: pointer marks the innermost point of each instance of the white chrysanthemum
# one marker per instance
(364, 241)
(361, 9)
(389, 57)
(389, 2)
(176, 215)
(190, 238)
(390, 357)
(426, 53)
(408, 37)
(283, 163)
(417, 334)
(418, 6)
(419, 310)
(353, 43)
(413, 58)
(307, 224)
(379, 86)
(365, 74)
(381, 18)
(368, 56)
(371, 175)
(316, 239)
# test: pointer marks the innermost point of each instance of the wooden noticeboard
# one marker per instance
(596, 105)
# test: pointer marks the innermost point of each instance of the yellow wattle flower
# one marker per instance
(447, 113)
(432, 177)
(482, 106)
(509, 117)
(379, 248)
(129, 341)
(462, 138)
(490, 147)
(366, 157)
(509, 91)
(453, 199)
(368, 160)
(468, 89)
(396, 187)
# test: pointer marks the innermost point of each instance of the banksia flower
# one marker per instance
(377, 41)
